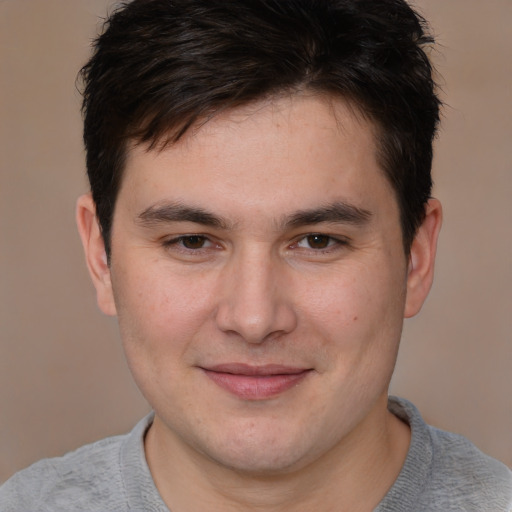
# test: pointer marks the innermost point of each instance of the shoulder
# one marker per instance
(446, 472)
(460, 468)
(85, 479)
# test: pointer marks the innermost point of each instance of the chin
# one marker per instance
(257, 462)
(260, 452)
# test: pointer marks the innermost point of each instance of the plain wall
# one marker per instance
(63, 380)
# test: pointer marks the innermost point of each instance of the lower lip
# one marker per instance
(256, 387)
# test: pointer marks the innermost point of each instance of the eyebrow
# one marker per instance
(178, 212)
(336, 212)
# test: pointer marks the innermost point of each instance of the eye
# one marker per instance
(193, 241)
(317, 241)
(190, 242)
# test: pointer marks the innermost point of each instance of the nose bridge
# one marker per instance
(254, 301)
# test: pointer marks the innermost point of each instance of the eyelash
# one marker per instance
(333, 243)
(179, 242)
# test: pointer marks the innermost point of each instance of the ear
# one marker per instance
(95, 255)
(422, 257)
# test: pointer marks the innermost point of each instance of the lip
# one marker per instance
(250, 382)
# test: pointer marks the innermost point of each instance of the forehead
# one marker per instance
(263, 155)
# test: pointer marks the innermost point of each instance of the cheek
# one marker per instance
(339, 302)
(359, 318)
(160, 312)
(159, 320)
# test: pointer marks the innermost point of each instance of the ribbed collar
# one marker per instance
(142, 494)
(415, 472)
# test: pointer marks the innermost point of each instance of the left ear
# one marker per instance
(422, 257)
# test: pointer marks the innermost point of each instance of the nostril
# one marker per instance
(266, 323)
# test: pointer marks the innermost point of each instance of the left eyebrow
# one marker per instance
(338, 212)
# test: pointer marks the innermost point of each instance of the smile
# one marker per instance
(255, 382)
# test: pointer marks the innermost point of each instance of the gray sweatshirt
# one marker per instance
(443, 472)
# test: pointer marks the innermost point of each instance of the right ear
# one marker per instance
(95, 254)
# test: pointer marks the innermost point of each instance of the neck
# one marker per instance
(353, 476)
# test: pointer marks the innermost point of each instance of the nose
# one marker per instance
(254, 300)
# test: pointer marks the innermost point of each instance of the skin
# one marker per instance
(217, 259)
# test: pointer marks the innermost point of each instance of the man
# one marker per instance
(260, 222)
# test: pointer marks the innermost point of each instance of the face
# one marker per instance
(260, 283)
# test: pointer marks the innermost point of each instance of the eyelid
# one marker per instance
(334, 242)
(177, 241)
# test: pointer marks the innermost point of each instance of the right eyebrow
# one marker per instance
(177, 212)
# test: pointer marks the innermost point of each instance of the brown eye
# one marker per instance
(320, 243)
(316, 241)
(193, 241)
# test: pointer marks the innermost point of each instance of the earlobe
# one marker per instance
(422, 258)
(95, 255)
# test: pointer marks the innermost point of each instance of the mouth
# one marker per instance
(249, 382)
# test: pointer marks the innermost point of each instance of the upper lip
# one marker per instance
(255, 370)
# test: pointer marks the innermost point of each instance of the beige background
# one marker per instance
(63, 381)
